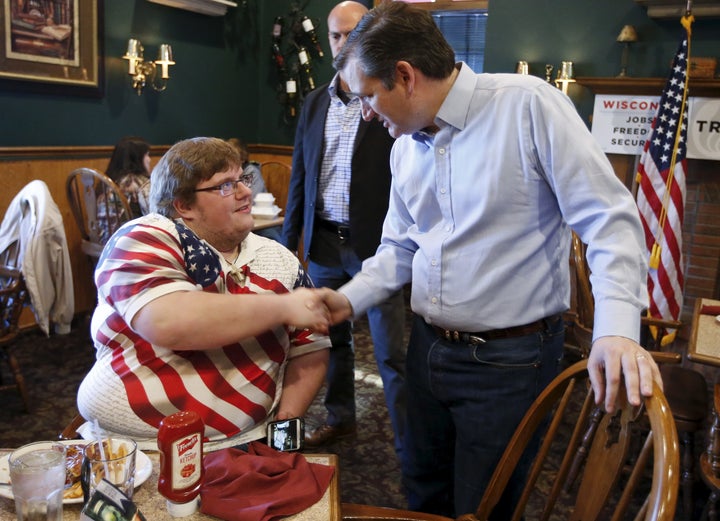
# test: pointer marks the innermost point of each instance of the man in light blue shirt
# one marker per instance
(490, 173)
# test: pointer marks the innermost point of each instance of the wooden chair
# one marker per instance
(710, 461)
(277, 180)
(604, 462)
(685, 389)
(70, 431)
(13, 297)
(98, 206)
(580, 318)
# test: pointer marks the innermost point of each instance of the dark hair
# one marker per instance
(128, 158)
(184, 166)
(242, 148)
(393, 32)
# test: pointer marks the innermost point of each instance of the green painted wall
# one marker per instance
(225, 83)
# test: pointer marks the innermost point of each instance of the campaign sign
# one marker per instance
(704, 130)
(622, 124)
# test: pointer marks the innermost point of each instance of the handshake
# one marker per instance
(318, 309)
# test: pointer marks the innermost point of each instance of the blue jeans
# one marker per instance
(464, 404)
(386, 328)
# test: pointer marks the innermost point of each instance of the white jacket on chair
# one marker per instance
(35, 219)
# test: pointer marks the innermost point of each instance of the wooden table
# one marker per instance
(261, 224)
(152, 504)
(704, 345)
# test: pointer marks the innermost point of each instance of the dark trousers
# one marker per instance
(333, 263)
(464, 404)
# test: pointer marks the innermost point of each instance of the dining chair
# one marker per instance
(608, 467)
(13, 297)
(686, 390)
(710, 462)
(70, 431)
(98, 206)
(277, 180)
(599, 468)
(579, 318)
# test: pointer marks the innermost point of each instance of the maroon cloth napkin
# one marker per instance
(260, 485)
(710, 310)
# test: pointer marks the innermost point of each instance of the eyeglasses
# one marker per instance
(229, 187)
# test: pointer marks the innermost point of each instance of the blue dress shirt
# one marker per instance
(480, 214)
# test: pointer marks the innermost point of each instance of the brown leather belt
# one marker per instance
(341, 230)
(494, 334)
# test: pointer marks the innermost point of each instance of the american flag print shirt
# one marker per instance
(135, 384)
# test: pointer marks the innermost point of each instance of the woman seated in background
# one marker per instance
(129, 167)
(258, 183)
(249, 167)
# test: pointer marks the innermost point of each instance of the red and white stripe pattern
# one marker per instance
(232, 387)
(661, 193)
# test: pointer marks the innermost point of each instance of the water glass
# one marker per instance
(114, 462)
(37, 473)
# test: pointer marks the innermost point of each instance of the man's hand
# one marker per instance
(306, 309)
(614, 358)
(337, 303)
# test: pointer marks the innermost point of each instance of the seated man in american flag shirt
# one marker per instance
(195, 312)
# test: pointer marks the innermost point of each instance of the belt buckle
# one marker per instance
(457, 336)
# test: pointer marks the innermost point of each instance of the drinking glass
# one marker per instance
(114, 462)
(37, 473)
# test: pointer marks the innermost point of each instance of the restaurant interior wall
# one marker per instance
(224, 83)
(211, 90)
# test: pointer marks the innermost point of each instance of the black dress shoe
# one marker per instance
(326, 434)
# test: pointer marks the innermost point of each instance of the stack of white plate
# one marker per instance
(264, 206)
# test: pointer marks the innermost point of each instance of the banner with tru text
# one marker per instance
(622, 123)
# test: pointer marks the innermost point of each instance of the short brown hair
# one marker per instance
(186, 165)
(393, 32)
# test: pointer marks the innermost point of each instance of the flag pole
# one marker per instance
(661, 190)
(654, 261)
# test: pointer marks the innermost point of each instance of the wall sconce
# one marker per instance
(627, 36)
(565, 76)
(145, 72)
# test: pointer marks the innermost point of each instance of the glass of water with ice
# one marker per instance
(37, 475)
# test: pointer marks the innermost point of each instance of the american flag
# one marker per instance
(661, 192)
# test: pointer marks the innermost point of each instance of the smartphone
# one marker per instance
(286, 435)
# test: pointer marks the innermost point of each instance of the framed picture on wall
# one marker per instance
(52, 46)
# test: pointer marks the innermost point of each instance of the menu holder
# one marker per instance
(704, 344)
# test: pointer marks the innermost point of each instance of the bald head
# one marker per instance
(342, 19)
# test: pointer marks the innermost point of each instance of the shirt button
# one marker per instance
(433, 262)
(441, 151)
(442, 190)
(433, 300)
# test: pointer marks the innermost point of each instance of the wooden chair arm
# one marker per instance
(661, 357)
(70, 431)
(353, 512)
(660, 322)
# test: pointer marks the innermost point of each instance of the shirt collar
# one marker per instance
(454, 109)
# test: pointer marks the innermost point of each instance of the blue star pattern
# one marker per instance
(670, 112)
(201, 263)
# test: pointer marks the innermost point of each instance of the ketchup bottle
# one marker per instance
(180, 441)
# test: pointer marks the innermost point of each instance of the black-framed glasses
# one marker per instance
(229, 187)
